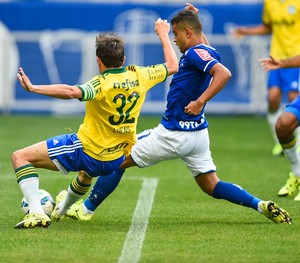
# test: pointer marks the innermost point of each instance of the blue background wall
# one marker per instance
(28, 21)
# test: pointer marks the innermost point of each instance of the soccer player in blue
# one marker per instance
(113, 102)
(183, 131)
(286, 126)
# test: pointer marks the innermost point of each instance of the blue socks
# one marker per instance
(235, 194)
(103, 187)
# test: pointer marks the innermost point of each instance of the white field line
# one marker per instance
(133, 244)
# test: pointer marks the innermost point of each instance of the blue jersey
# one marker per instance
(187, 85)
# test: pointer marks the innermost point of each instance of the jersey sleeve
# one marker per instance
(151, 75)
(89, 89)
(202, 59)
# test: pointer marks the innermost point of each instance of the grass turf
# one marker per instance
(185, 225)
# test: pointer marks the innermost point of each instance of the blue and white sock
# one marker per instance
(235, 194)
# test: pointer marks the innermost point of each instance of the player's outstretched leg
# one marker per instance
(236, 194)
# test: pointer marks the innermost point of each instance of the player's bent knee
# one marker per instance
(16, 155)
(207, 182)
(283, 128)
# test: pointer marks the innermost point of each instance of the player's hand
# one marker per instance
(162, 27)
(193, 108)
(269, 63)
(24, 80)
(238, 32)
(189, 6)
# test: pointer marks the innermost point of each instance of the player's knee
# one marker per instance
(283, 128)
(207, 190)
(128, 162)
(17, 155)
(207, 182)
(84, 178)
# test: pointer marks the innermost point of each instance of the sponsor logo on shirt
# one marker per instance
(126, 85)
(118, 148)
(122, 130)
(203, 54)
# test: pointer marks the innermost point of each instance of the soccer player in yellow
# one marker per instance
(113, 103)
(281, 19)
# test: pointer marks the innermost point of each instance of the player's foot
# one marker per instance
(277, 150)
(290, 187)
(274, 212)
(297, 197)
(76, 212)
(55, 215)
(32, 220)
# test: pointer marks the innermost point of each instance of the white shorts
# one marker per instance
(160, 144)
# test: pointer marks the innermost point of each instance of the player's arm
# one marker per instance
(221, 76)
(272, 63)
(261, 29)
(61, 91)
(162, 29)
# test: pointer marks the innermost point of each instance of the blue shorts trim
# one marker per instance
(143, 134)
(68, 151)
(294, 108)
(287, 79)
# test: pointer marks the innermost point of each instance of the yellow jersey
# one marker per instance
(113, 103)
(284, 18)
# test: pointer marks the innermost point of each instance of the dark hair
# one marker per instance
(187, 18)
(110, 48)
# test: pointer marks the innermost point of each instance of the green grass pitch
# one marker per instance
(185, 225)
